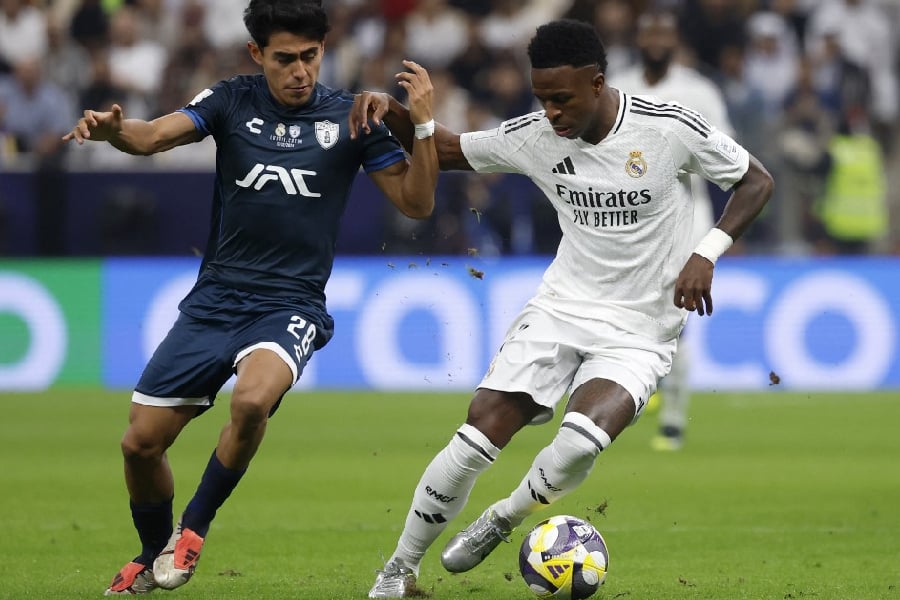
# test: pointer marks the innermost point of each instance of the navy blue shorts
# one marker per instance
(216, 328)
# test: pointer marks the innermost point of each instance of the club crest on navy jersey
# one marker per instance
(327, 133)
(636, 166)
(286, 136)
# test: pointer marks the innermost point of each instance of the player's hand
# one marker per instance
(367, 107)
(693, 289)
(97, 126)
(418, 87)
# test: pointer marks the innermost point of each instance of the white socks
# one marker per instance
(557, 469)
(675, 391)
(442, 492)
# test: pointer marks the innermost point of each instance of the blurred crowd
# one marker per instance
(811, 88)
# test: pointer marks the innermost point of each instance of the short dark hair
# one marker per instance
(304, 18)
(566, 42)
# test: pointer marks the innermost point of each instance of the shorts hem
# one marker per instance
(281, 352)
(146, 400)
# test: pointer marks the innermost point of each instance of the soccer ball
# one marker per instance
(563, 557)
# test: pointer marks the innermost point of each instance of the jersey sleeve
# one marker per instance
(208, 108)
(498, 150)
(380, 149)
(707, 151)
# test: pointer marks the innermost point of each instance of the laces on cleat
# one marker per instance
(472, 545)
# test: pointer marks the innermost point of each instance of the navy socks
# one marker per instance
(153, 522)
(216, 485)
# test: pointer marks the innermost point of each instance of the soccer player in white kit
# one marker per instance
(658, 75)
(604, 324)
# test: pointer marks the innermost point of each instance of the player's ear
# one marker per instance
(598, 82)
(255, 52)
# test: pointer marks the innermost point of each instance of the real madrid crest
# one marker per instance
(327, 133)
(636, 166)
(280, 130)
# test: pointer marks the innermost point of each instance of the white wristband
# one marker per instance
(425, 130)
(713, 245)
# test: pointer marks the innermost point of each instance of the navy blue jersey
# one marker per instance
(282, 180)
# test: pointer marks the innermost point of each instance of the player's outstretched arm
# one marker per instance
(134, 136)
(377, 107)
(410, 185)
(693, 289)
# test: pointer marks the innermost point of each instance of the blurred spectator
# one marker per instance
(158, 20)
(451, 102)
(66, 63)
(23, 33)
(853, 206)
(743, 101)
(101, 92)
(90, 25)
(771, 59)
(658, 74)
(708, 26)
(223, 22)
(614, 21)
(37, 113)
(435, 33)
(394, 11)
(866, 38)
(508, 88)
(794, 15)
(342, 63)
(136, 64)
(190, 66)
(475, 57)
(383, 65)
(801, 146)
(369, 29)
(511, 23)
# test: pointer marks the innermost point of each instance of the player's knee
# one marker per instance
(250, 408)
(141, 448)
(499, 415)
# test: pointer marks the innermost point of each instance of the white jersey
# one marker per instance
(685, 86)
(624, 206)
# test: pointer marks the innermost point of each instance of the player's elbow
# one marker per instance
(419, 208)
(762, 181)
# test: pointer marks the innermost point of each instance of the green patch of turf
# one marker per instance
(780, 496)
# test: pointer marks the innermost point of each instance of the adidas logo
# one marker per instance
(433, 518)
(565, 167)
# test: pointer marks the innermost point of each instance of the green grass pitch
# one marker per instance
(775, 496)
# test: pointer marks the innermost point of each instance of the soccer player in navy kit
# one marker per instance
(285, 162)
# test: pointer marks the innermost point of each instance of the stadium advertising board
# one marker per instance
(417, 324)
(49, 324)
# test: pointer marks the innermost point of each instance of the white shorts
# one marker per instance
(548, 357)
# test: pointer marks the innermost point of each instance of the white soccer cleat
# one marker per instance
(469, 547)
(176, 563)
(395, 580)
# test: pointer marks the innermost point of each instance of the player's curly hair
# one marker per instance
(305, 18)
(566, 42)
